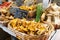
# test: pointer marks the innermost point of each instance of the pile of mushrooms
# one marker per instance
(51, 14)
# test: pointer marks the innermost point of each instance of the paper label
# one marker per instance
(46, 3)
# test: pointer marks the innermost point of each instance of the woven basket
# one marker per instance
(24, 36)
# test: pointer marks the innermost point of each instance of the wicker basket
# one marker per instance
(23, 36)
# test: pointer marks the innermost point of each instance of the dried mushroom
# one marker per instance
(5, 16)
(28, 27)
(51, 13)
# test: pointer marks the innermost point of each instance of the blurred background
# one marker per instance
(4, 35)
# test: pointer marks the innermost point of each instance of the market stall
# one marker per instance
(30, 20)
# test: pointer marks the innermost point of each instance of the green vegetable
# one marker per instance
(38, 13)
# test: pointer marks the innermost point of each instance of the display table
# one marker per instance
(56, 35)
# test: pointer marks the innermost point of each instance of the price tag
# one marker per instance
(46, 3)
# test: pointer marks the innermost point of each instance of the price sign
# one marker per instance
(46, 3)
